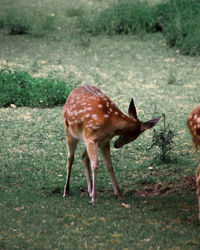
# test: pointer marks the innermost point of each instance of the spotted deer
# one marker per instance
(193, 123)
(89, 115)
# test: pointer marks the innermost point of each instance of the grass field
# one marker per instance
(34, 215)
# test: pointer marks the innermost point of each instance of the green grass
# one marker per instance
(34, 215)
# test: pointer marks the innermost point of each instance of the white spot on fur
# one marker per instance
(95, 127)
(116, 113)
(90, 125)
(81, 111)
(106, 115)
(100, 106)
(92, 97)
(87, 116)
(94, 116)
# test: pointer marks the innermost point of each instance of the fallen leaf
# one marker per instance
(126, 205)
(116, 235)
(102, 219)
(19, 208)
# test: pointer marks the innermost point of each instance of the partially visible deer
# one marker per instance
(193, 123)
(89, 115)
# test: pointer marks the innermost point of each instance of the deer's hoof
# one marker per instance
(93, 201)
(65, 195)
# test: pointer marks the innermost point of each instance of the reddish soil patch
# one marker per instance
(188, 184)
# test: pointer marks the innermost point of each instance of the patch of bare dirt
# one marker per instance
(188, 184)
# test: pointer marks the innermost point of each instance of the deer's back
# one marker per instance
(88, 111)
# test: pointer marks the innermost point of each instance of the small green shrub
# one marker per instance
(164, 139)
(83, 41)
(172, 77)
(74, 12)
(21, 89)
(17, 24)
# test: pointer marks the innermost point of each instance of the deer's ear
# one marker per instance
(132, 110)
(149, 124)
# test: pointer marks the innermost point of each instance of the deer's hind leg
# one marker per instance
(86, 163)
(92, 148)
(71, 147)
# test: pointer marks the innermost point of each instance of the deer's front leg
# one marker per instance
(92, 149)
(107, 158)
(86, 163)
(199, 203)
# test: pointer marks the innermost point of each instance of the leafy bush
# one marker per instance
(120, 18)
(22, 23)
(20, 89)
(180, 22)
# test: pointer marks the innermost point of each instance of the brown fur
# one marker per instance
(193, 123)
(89, 115)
